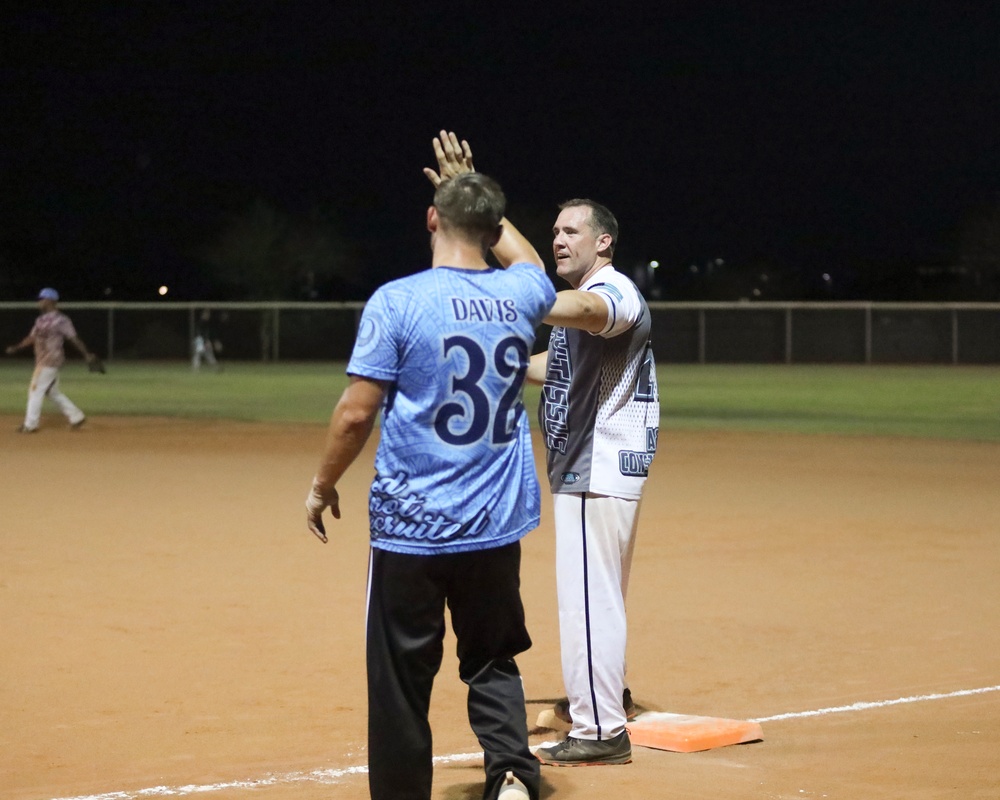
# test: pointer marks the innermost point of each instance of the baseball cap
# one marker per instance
(48, 294)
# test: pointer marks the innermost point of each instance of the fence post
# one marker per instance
(954, 336)
(275, 334)
(788, 335)
(110, 355)
(191, 333)
(701, 336)
(868, 333)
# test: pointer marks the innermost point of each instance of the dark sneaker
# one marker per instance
(572, 752)
(25, 429)
(512, 788)
(561, 709)
(78, 424)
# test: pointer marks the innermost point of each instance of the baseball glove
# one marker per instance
(96, 365)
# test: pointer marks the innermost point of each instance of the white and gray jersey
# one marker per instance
(600, 411)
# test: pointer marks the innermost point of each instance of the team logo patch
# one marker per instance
(367, 337)
(570, 477)
(366, 332)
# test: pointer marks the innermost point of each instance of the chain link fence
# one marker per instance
(791, 333)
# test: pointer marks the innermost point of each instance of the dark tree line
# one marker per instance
(259, 250)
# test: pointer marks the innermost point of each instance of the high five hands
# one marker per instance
(453, 157)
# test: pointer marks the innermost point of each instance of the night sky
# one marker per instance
(799, 138)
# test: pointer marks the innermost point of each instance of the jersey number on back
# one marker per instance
(507, 407)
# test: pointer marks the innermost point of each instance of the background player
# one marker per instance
(205, 345)
(445, 352)
(50, 331)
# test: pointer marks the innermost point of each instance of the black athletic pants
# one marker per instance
(406, 625)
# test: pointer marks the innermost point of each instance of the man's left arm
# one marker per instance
(351, 424)
(77, 342)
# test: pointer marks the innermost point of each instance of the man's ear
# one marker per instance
(604, 243)
(433, 221)
(495, 238)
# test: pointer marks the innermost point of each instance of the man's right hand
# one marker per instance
(453, 157)
(320, 498)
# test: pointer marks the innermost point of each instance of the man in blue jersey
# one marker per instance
(443, 353)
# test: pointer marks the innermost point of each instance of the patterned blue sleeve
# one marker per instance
(376, 354)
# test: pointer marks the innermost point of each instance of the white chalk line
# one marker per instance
(332, 776)
(328, 776)
(879, 704)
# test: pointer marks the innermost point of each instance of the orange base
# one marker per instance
(685, 734)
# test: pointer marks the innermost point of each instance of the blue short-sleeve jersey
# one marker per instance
(454, 469)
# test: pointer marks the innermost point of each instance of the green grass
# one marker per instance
(938, 402)
(924, 401)
(242, 391)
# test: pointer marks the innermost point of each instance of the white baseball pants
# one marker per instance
(202, 348)
(595, 539)
(45, 381)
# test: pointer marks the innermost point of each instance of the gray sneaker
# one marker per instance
(26, 429)
(572, 752)
(561, 708)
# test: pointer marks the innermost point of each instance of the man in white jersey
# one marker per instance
(600, 415)
(443, 353)
(47, 335)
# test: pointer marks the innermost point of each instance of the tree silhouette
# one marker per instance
(264, 253)
(979, 252)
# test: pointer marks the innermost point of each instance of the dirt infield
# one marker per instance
(168, 621)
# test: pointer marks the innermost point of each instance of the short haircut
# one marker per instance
(601, 218)
(471, 203)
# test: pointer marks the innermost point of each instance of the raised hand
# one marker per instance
(453, 157)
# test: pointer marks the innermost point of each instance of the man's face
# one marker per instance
(44, 305)
(574, 244)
